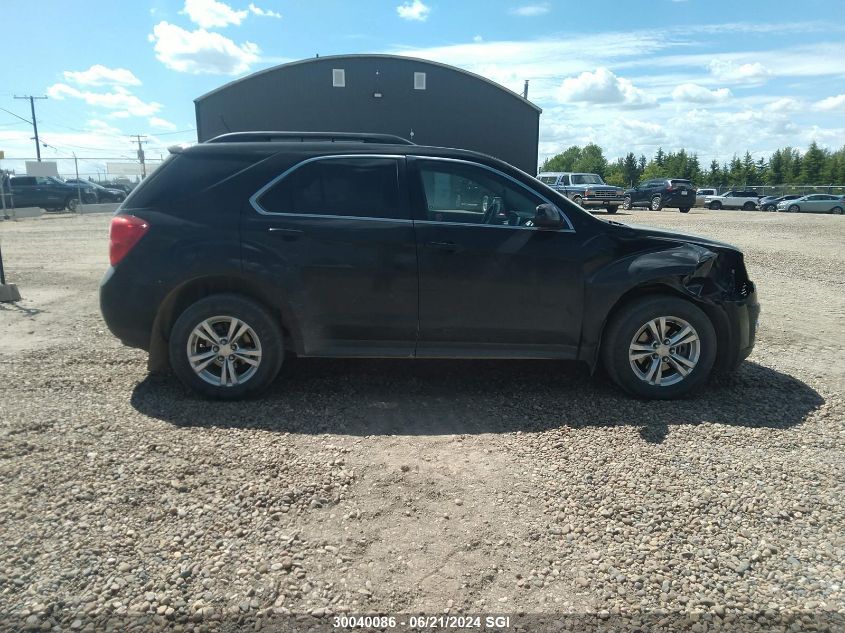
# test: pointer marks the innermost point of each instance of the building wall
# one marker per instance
(456, 109)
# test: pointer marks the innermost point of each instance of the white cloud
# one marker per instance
(478, 38)
(99, 75)
(160, 123)
(267, 13)
(413, 10)
(784, 104)
(831, 103)
(743, 73)
(694, 93)
(530, 10)
(602, 87)
(120, 99)
(209, 14)
(201, 52)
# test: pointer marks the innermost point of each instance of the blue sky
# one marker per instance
(713, 76)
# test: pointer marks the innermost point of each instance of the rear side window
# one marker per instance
(183, 175)
(24, 181)
(358, 187)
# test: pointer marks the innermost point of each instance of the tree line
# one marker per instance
(816, 166)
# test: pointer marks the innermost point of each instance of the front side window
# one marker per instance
(462, 193)
(358, 187)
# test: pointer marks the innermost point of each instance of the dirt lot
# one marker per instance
(422, 486)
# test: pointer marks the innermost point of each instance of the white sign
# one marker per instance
(124, 169)
(43, 168)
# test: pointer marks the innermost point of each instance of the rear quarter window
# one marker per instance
(182, 176)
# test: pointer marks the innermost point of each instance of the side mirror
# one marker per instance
(548, 217)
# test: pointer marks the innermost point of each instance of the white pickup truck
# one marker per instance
(746, 200)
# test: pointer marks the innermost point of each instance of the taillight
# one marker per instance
(124, 233)
(669, 188)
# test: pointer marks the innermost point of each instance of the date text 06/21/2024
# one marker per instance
(422, 621)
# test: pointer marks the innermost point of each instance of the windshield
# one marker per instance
(549, 180)
(587, 179)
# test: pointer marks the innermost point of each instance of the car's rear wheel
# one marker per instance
(715, 206)
(836, 210)
(684, 209)
(626, 203)
(659, 347)
(226, 347)
(656, 203)
(793, 208)
(749, 206)
(612, 209)
(768, 207)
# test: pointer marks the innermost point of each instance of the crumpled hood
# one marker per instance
(638, 230)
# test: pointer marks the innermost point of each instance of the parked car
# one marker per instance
(50, 194)
(102, 194)
(658, 193)
(586, 190)
(700, 194)
(241, 249)
(770, 203)
(815, 203)
(111, 184)
(739, 199)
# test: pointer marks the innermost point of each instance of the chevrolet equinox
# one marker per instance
(252, 246)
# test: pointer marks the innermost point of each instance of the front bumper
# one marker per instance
(614, 201)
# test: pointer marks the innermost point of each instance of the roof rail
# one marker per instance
(304, 137)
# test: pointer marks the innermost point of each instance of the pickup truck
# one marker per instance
(585, 190)
(746, 200)
(48, 193)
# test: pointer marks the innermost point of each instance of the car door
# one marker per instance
(490, 282)
(334, 234)
(52, 193)
(23, 191)
(642, 195)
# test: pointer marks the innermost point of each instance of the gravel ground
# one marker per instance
(436, 487)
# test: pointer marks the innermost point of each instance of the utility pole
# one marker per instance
(141, 139)
(34, 122)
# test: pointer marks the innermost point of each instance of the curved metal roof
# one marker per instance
(415, 60)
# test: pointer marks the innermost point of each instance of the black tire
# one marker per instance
(794, 208)
(577, 200)
(769, 207)
(656, 203)
(836, 210)
(72, 204)
(626, 203)
(749, 206)
(684, 209)
(247, 311)
(715, 206)
(624, 326)
(612, 209)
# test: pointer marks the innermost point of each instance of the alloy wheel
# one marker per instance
(664, 351)
(224, 351)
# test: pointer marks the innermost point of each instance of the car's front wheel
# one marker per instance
(612, 209)
(659, 347)
(72, 204)
(715, 206)
(226, 347)
(684, 209)
(749, 206)
(656, 203)
(577, 200)
(793, 208)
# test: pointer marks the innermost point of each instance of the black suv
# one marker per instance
(658, 193)
(251, 246)
(48, 193)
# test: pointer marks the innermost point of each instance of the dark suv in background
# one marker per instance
(658, 193)
(47, 193)
(244, 248)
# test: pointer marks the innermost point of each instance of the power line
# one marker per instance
(34, 121)
(17, 115)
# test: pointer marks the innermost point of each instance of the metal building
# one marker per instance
(423, 101)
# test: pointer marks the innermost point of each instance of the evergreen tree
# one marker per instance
(591, 160)
(630, 170)
(812, 164)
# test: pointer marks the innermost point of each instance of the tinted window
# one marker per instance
(456, 192)
(685, 183)
(360, 187)
(183, 175)
(25, 181)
